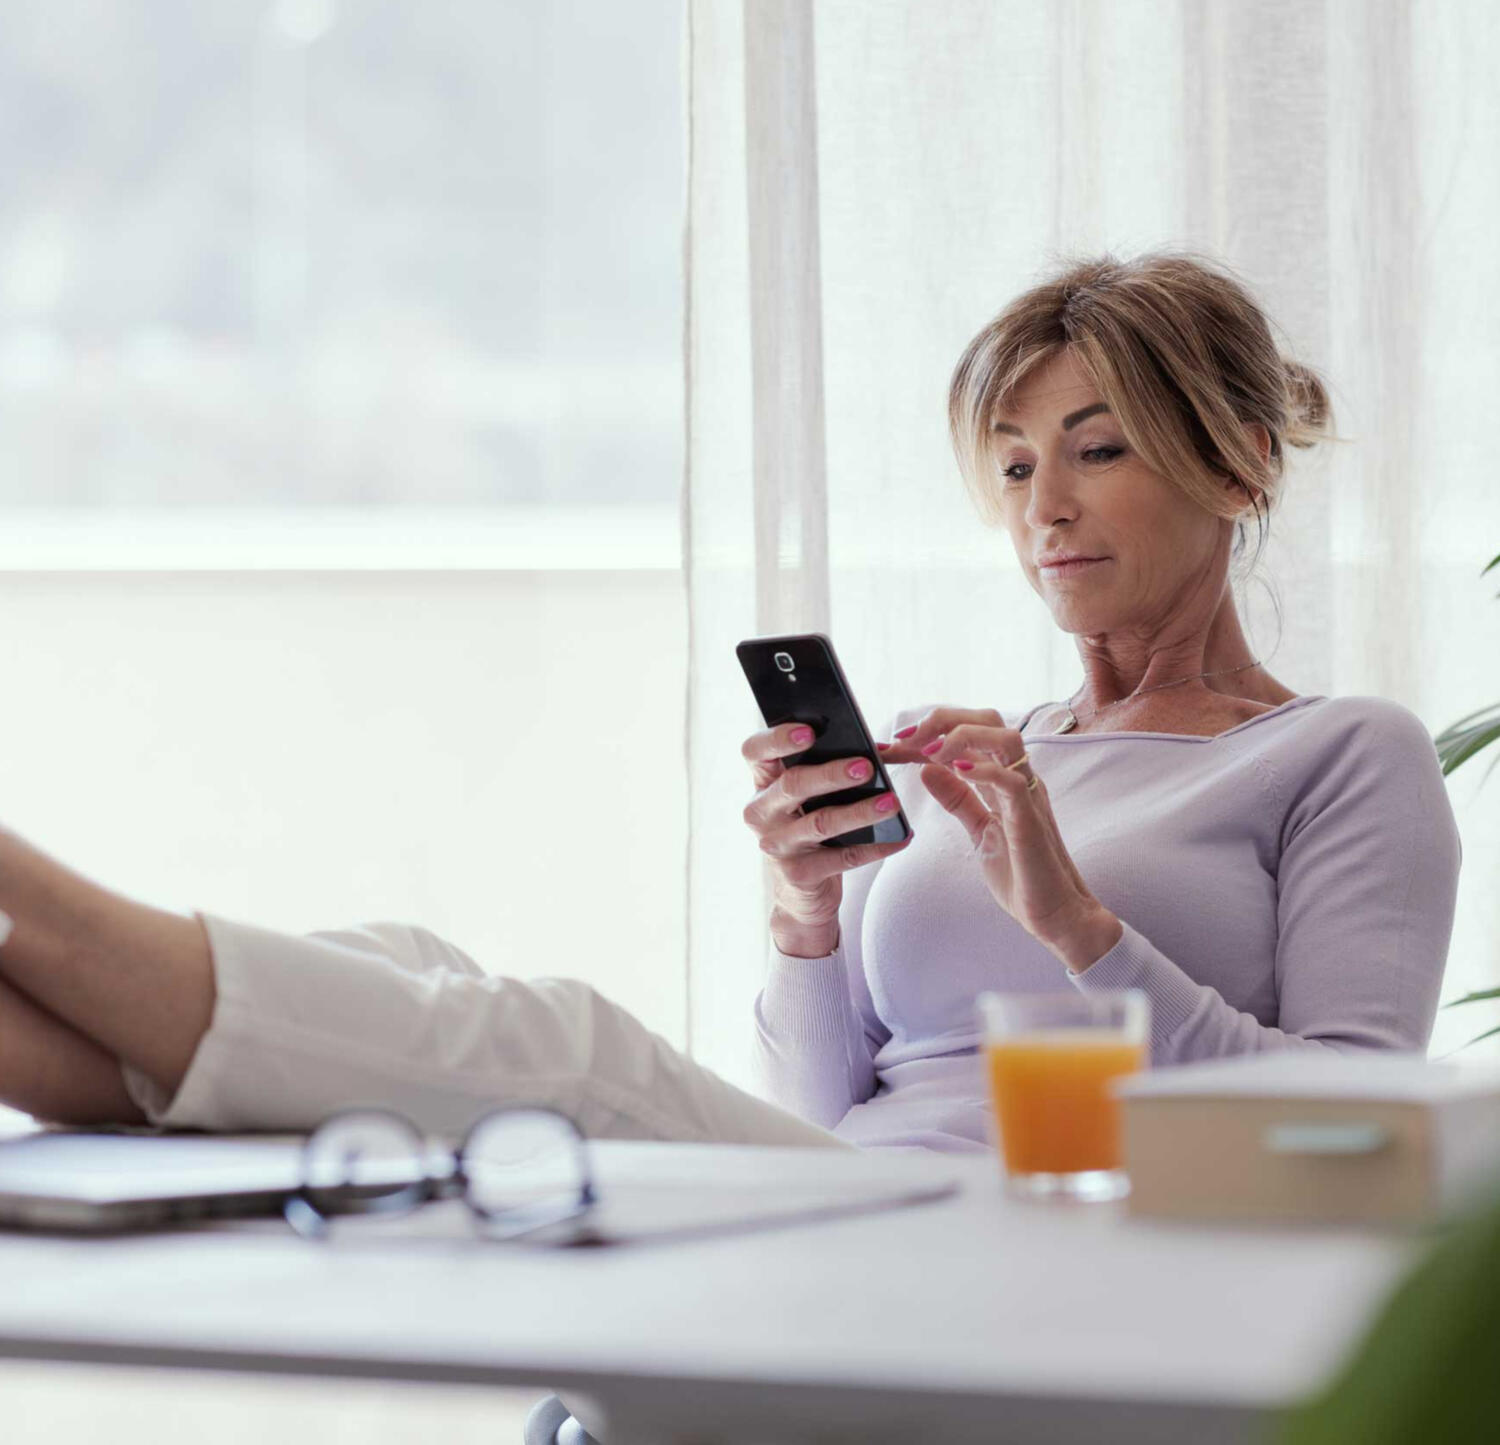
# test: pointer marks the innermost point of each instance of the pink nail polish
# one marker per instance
(882, 747)
(802, 736)
(858, 769)
(907, 732)
(887, 804)
(933, 746)
(963, 765)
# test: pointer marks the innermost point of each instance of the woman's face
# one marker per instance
(1070, 483)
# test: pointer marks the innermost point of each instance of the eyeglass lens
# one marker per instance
(520, 1160)
(521, 1168)
(363, 1162)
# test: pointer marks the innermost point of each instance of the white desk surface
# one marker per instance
(975, 1317)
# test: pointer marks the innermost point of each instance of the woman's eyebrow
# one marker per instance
(1068, 422)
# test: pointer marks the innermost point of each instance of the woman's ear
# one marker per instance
(1260, 438)
(1234, 484)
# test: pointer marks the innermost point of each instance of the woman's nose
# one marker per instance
(1051, 496)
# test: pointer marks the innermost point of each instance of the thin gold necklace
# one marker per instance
(1071, 721)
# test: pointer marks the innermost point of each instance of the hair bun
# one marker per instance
(1307, 406)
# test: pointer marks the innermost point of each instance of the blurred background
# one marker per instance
(353, 354)
(340, 448)
(340, 254)
(340, 452)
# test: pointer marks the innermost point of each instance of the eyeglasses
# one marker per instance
(518, 1169)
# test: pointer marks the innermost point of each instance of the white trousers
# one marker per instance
(388, 1015)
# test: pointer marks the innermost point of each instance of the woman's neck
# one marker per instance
(1114, 670)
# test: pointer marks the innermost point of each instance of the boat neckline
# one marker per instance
(1289, 705)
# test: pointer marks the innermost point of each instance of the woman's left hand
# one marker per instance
(1020, 850)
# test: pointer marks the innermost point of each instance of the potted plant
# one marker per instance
(1455, 745)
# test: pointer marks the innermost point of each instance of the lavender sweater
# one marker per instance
(1288, 884)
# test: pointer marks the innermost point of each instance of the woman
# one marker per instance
(1276, 870)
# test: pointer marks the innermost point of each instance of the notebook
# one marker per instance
(97, 1182)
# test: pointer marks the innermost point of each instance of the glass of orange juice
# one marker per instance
(1051, 1058)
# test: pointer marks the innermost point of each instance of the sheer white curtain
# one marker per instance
(870, 182)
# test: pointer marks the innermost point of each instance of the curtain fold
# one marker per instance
(870, 182)
(786, 318)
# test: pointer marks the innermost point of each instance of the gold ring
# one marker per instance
(1024, 758)
(1031, 784)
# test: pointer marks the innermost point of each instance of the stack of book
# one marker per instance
(1353, 1138)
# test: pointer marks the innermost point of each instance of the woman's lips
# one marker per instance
(1071, 569)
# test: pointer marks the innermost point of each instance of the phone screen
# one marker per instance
(798, 679)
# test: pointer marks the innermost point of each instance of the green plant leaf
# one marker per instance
(1467, 720)
(1463, 749)
(1425, 1371)
(1493, 560)
(1458, 744)
(1473, 997)
(1463, 722)
(1486, 1034)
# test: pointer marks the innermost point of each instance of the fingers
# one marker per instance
(765, 750)
(808, 869)
(972, 740)
(794, 838)
(799, 784)
(812, 829)
(784, 796)
(909, 744)
(983, 777)
(1009, 793)
(960, 799)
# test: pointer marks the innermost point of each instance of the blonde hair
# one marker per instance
(1180, 352)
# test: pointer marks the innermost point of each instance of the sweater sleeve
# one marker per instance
(1367, 886)
(816, 1028)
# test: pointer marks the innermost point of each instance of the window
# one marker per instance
(317, 277)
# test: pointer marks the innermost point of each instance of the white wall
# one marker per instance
(497, 756)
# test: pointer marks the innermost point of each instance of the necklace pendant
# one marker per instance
(1068, 723)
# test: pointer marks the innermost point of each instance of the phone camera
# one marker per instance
(784, 661)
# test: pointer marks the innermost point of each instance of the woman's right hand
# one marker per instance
(808, 879)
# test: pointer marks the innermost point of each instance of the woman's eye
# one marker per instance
(1098, 455)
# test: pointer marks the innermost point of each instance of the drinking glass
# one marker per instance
(1051, 1058)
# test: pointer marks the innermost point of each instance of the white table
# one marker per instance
(975, 1318)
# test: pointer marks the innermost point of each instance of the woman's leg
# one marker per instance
(136, 982)
(221, 1025)
(54, 1072)
(390, 1015)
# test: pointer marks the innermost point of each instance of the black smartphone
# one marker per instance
(798, 679)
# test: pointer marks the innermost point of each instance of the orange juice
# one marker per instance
(1052, 1101)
